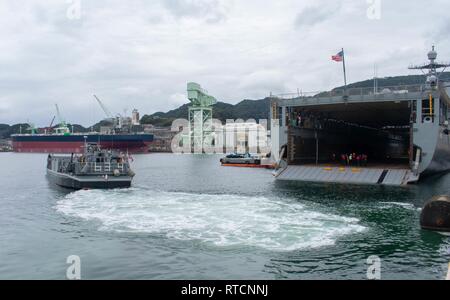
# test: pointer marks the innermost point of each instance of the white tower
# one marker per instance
(135, 119)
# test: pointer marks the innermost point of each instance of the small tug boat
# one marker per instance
(95, 169)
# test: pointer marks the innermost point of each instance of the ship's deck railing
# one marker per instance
(368, 91)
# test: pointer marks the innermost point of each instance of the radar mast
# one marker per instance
(432, 66)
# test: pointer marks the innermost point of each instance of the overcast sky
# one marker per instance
(140, 54)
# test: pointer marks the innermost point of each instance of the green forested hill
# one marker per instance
(6, 130)
(394, 81)
(247, 109)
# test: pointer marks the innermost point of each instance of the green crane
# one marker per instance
(32, 128)
(200, 115)
(62, 127)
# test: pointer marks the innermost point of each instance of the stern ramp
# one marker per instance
(348, 175)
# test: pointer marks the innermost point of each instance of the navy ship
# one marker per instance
(94, 169)
(387, 136)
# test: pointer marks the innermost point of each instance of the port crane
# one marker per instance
(108, 114)
(50, 127)
(53, 121)
(115, 121)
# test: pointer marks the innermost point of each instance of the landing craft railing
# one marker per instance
(65, 165)
(367, 91)
(93, 168)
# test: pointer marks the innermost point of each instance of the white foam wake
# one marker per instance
(408, 206)
(221, 220)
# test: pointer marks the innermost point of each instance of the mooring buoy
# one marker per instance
(436, 214)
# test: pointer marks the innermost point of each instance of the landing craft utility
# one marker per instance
(95, 169)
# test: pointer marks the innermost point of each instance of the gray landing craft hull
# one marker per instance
(88, 182)
(441, 156)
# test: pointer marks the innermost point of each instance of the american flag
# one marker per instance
(338, 57)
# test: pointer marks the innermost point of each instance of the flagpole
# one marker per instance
(345, 73)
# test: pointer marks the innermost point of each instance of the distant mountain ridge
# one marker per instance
(395, 81)
(245, 110)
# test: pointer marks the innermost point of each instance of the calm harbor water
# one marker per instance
(187, 217)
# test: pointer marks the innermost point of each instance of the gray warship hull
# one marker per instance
(404, 131)
(441, 156)
(88, 182)
(389, 136)
(431, 136)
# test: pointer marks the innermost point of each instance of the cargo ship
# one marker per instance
(74, 143)
(116, 136)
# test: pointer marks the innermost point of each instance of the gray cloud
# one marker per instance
(210, 10)
(313, 15)
(440, 33)
(140, 54)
